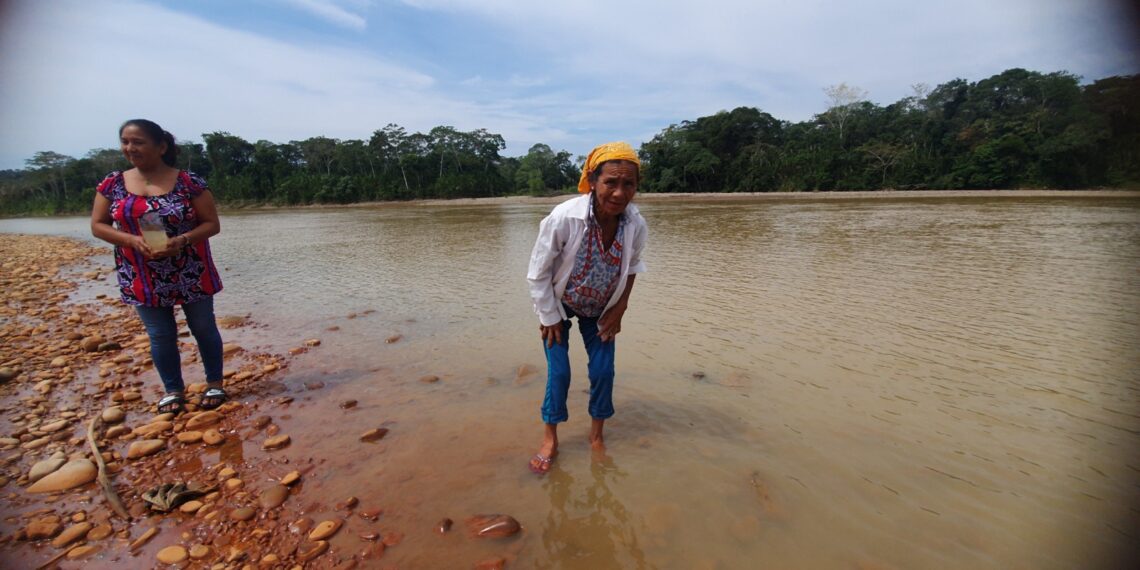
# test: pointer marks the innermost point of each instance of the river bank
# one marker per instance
(75, 372)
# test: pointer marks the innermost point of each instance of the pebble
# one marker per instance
(73, 474)
(348, 404)
(40, 529)
(371, 514)
(172, 555)
(325, 530)
(100, 532)
(276, 442)
(493, 526)
(261, 421)
(81, 551)
(204, 419)
(190, 507)
(117, 431)
(291, 477)
(113, 415)
(274, 496)
(145, 447)
(242, 514)
(71, 534)
(429, 379)
(213, 437)
(444, 525)
(375, 434)
(145, 538)
(301, 525)
(199, 551)
(192, 436)
(348, 504)
(54, 426)
(152, 429)
(317, 549)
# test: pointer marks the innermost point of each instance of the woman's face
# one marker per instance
(615, 187)
(139, 148)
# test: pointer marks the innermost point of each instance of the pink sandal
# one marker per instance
(540, 464)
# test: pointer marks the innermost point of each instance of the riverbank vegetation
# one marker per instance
(1017, 129)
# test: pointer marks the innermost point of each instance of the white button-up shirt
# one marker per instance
(552, 260)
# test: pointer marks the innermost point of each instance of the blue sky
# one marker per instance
(567, 74)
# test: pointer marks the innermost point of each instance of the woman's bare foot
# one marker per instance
(542, 460)
(597, 440)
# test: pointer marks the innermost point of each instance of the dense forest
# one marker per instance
(1017, 129)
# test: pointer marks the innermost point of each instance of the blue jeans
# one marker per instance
(601, 372)
(163, 333)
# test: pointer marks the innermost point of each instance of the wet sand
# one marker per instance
(74, 359)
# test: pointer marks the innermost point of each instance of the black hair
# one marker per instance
(593, 176)
(157, 135)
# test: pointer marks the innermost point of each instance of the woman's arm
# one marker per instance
(208, 223)
(610, 322)
(102, 227)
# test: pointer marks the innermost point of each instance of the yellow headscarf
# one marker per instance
(608, 151)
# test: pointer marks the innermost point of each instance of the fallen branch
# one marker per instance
(104, 481)
(54, 559)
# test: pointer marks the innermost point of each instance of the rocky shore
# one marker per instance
(92, 476)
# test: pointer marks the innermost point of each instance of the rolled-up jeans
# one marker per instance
(600, 368)
(163, 332)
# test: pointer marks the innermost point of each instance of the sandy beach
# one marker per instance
(75, 370)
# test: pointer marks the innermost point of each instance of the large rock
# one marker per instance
(44, 468)
(73, 474)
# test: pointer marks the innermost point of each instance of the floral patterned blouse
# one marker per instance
(596, 271)
(186, 277)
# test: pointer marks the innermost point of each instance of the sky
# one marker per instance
(568, 74)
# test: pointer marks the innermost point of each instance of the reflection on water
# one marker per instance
(889, 383)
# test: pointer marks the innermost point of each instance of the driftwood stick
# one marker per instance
(104, 481)
(53, 560)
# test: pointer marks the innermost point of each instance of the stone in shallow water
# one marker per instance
(290, 478)
(274, 496)
(73, 474)
(276, 442)
(374, 434)
(325, 530)
(493, 526)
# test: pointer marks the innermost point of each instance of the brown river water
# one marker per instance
(887, 383)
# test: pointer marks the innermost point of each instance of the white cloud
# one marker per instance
(332, 12)
(584, 71)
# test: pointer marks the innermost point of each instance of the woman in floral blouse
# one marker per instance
(175, 267)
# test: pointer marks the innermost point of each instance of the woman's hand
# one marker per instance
(552, 334)
(610, 323)
(138, 244)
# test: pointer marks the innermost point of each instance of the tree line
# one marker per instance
(1017, 129)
